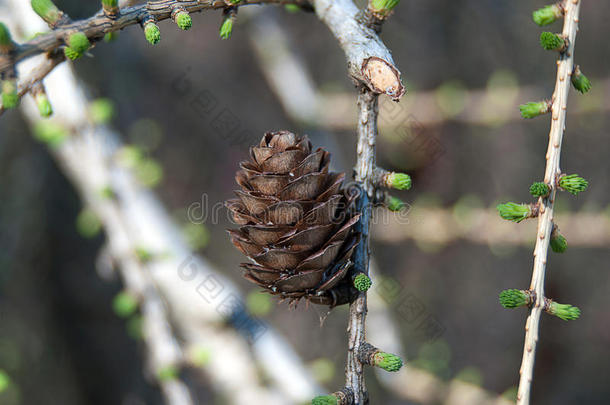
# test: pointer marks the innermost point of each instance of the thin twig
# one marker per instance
(365, 165)
(98, 25)
(39, 73)
(565, 66)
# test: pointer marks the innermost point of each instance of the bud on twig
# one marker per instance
(324, 400)
(579, 81)
(182, 18)
(42, 101)
(226, 27)
(539, 189)
(387, 361)
(125, 304)
(372, 356)
(382, 8)
(343, 397)
(559, 244)
(6, 41)
(152, 31)
(362, 282)
(513, 298)
(111, 8)
(553, 42)
(517, 212)
(399, 181)
(535, 108)
(566, 312)
(111, 36)
(394, 204)
(77, 45)
(47, 10)
(573, 183)
(548, 14)
(10, 98)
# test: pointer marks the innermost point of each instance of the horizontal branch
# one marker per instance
(99, 25)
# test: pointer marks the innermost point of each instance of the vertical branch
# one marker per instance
(364, 171)
(565, 66)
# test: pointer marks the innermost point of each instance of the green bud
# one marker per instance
(6, 41)
(71, 53)
(227, 27)
(552, 42)
(144, 255)
(539, 189)
(200, 356)
(107, 193)
(130, 156)
(111, 7)
(259, 303)
(547, 15)
(149, 172)
(394, 204)
(10, 98)
(50, 133)
(514, 212)
(167, 373)
(88, 224)
(362, 282)
(47, 10)
(234, 1)
(514, 298)
(292, 8)
(579, 81)
(101, 110)
(559, 244)
(534, 108)
(111, 36)
(387, 361)
(44, 106)
(573, 183)
(79, 42)
(566, 312)
(183, 20)
(5, 381)
(382, 7)
(399, 181)
(124, 304)
(324, 400)
(152, 32)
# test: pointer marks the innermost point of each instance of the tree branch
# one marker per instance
(98, 25)
(565, 66)
(368, 60)
(365, 165)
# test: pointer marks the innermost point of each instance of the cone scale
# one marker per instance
(295, 221)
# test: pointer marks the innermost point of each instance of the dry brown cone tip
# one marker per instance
(296, 221)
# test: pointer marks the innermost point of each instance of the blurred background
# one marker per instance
(190, 107)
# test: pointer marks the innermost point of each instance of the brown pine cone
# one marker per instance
(296, 222)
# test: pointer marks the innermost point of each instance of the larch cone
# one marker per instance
(296, 221)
